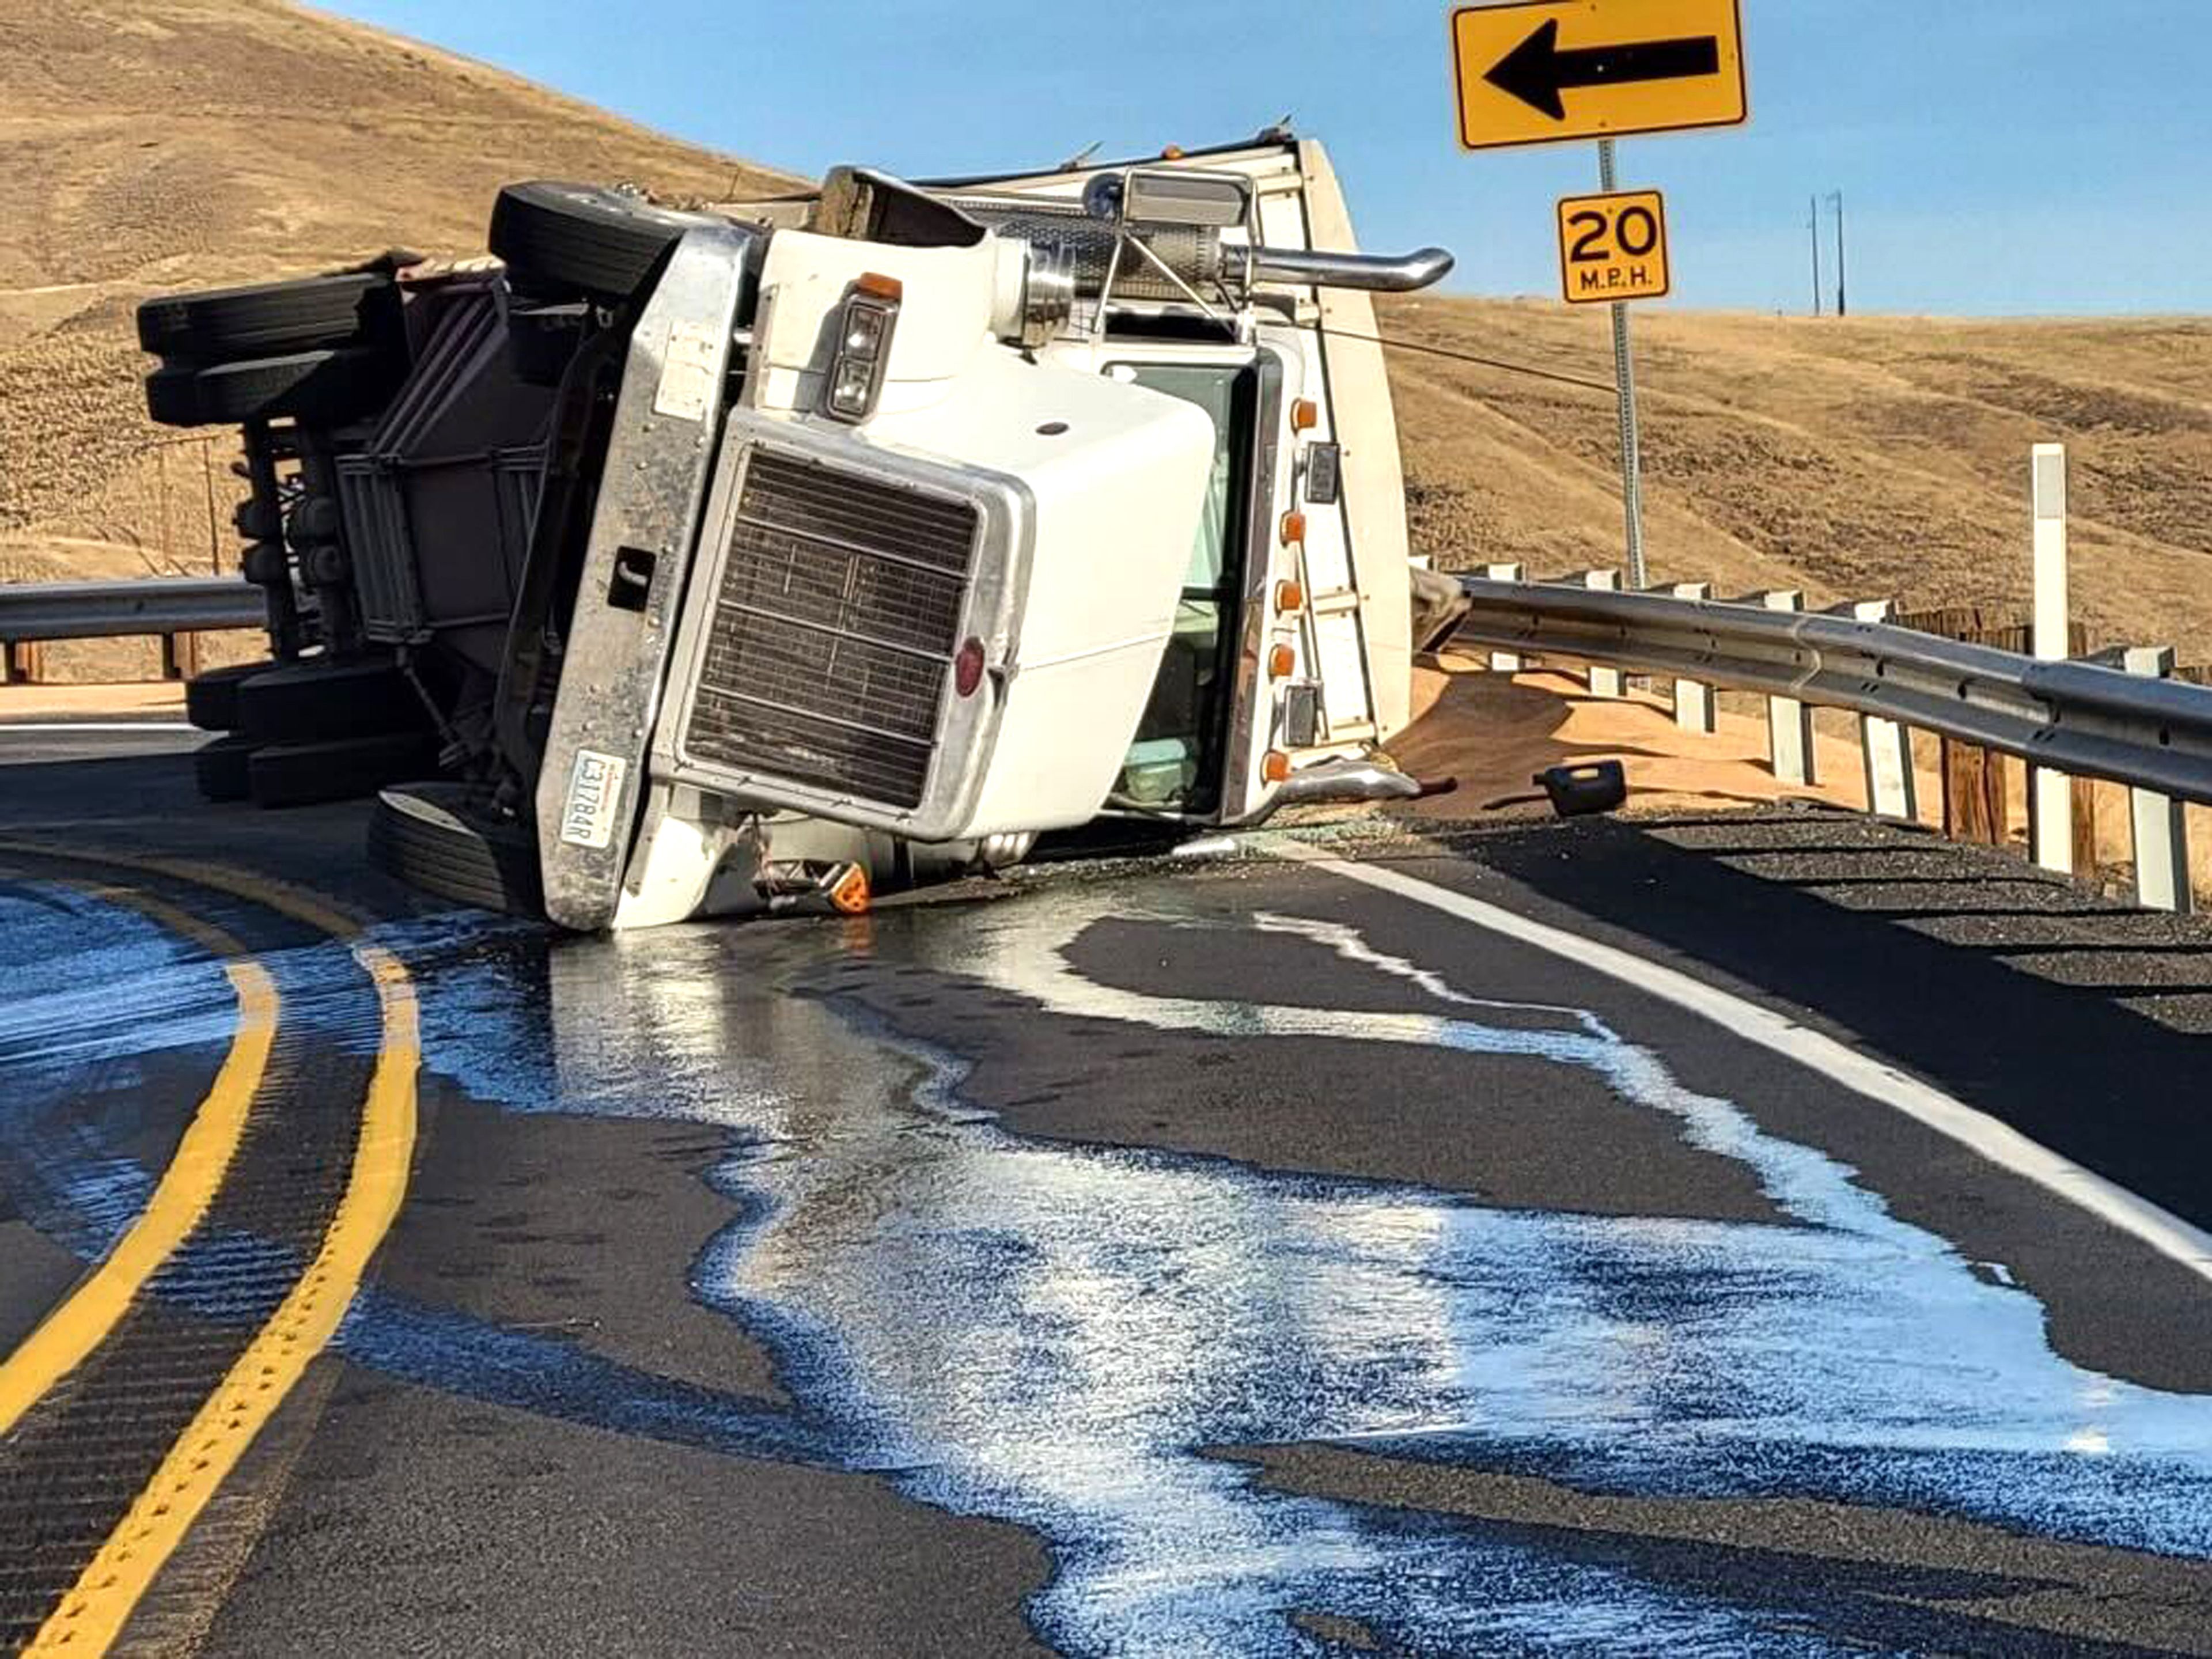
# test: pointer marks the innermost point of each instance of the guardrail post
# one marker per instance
(1893, 787)
(1693, 699)
(1789, 722)
(1505, 662)
(20, 662)
(1605, 681)
(2162, 824)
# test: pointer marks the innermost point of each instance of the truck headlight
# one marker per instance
(864, 348)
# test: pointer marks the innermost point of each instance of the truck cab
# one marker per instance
(759, 554)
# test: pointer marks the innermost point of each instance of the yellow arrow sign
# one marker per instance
(1545, 71)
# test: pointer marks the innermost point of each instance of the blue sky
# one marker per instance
(1997, 156)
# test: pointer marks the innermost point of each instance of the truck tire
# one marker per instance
(319, 388)
(220, 768)
(440, 838)
(562, 239)
(272, 320)
(319, 702)
(211, 699)
(309, 774)
(172, 397)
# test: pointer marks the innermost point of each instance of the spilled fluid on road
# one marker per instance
(91, 995)
(1059, 1335)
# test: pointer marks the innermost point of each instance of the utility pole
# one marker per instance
(1812, 224)
(1843, 295)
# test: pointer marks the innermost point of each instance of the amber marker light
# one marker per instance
(1282, 662)
(1305, 415)
(851, 896)
(1294, 529)
(1276, 769)
(1290, 598)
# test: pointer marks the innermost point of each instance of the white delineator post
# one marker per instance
(1504, 662)
(1605, 682)
(1693, 699)
(1789, 722)
(2162, 824)
(2051, 794)
(1892, 789)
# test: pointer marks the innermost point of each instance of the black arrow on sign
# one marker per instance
(1536, 71)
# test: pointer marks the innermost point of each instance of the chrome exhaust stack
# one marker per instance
(1374, 273)
(1153, 235)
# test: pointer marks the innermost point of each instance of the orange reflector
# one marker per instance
(1305, 415)
(880, 286)
(1276, 769)
(1294, 529)
(1282, 662)
(1288, 596)
(1172, 153)
(851, 894)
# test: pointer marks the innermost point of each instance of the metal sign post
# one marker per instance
(1624, 374)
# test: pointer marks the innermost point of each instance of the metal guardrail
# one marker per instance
(2072, 717)
(177, 610)
(33, 613)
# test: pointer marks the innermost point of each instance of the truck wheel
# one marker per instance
(319, 702)
(308, 774)
(320, 388)
(564, 240)
(441, 838)
(172, 397)
(272, 320)
(220, 769)
(211, 699)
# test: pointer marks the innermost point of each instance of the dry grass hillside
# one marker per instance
(156, 144)
(1886, 457)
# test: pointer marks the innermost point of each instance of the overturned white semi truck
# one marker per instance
(690, 562)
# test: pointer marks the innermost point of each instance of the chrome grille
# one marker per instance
(834, 631)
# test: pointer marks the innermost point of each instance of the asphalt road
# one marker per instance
(1235, 1256)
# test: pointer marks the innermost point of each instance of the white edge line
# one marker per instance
(49, 727)
(1998, 1142)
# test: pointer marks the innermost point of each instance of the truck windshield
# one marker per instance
(1175, 763)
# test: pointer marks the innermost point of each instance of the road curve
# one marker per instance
(1515, 1238)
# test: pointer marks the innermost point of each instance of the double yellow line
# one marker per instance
(94, 1611)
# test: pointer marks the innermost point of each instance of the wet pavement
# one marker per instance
(1216, 1259)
